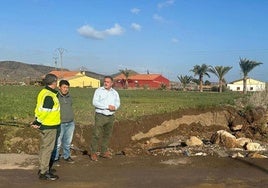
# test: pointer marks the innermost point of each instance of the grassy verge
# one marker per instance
(18, 102)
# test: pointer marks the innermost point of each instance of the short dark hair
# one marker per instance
(50, 78)
(64, 82)
(109, 78)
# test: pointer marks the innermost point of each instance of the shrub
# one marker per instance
(258, 99)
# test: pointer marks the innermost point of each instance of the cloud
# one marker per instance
(116, 30)
(89, 32)
(165, 4)
(135, 11)
(158, 18)
(136, 26)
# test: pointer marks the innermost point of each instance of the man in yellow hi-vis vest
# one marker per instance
(47, 120)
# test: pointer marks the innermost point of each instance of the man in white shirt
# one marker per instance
(106, 101)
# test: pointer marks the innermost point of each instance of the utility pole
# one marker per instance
(60, 51)
(56, 63)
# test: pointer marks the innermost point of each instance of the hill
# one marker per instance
(15, 72)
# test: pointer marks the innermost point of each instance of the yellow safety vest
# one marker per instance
(48, 117)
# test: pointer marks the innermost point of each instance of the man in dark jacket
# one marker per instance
(47, 120)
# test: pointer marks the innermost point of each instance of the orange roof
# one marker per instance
(138, 77)
(120, 77)
(64, 74)
(144, 76)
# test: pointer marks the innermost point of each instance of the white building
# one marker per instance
(252, 85)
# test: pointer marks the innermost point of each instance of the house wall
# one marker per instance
(235, 87)
(252, 85)
(153, 84)
(143, 83)
(163, 80)
(84, 81)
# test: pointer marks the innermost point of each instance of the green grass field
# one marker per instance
(18, 102)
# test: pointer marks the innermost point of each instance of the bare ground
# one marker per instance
(147, 171)
(132, 165)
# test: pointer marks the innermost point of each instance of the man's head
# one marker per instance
(108, 82)
(64, 87)
(51, 80)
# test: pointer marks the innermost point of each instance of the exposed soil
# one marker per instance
(124, 130)
(132, 165)
(193, 122)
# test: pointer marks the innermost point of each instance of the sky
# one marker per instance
(167, 37)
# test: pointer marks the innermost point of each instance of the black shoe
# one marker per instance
(69, 160)
(48, 176)
(52, 171)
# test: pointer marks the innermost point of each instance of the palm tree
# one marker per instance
(126, 73)
(220, 72)
(201, 71)
(185, 80)
(247, 66)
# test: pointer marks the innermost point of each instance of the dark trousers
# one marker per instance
(102, 132)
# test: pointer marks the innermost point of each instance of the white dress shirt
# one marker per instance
(103, 98)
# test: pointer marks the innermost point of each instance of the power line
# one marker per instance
(55, 62)
(60, 52)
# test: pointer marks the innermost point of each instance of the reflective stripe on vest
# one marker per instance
(48, 117)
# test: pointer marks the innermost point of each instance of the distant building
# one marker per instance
(77, 79)
(150, 81)
(252, 85)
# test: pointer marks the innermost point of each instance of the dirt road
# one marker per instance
(146, 171)
(169, 170)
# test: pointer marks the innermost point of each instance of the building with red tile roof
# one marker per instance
(150, 81)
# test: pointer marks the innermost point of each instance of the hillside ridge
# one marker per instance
(14, 71)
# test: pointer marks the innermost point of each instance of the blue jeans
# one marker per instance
(65, 140)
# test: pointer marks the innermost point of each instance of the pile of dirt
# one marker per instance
(170, 127)
(202, 123)
(124, 130)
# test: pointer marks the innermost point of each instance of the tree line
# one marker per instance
(246, 66)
